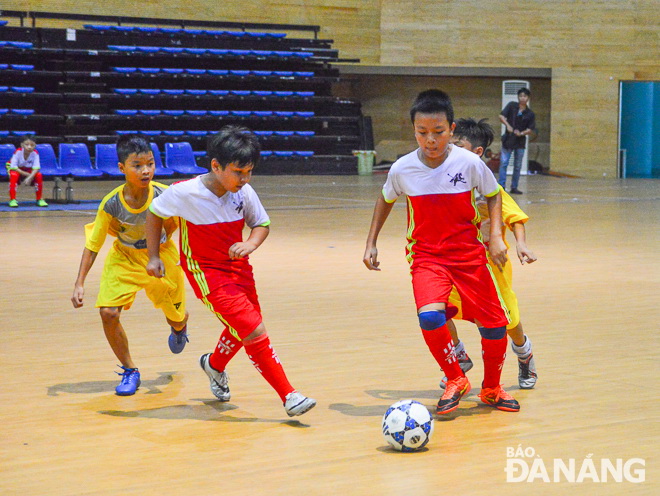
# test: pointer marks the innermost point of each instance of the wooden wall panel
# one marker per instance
(585, 43)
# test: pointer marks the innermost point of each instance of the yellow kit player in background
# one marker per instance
(122, 213)
(476, 137)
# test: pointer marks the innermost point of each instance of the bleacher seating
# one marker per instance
(179, 85)
(107, 160)
(6, 152)
(179, 157)
(48, 160)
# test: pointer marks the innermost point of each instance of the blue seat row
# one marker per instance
(155, 91)
(74, 160)
(5, 134)
(210, 32)
(236, 113)
(16, 44)
(211, 72)
(205, 133)
(278, 153)
(17, 89)
(16, 67)
(212, 51)
(4, 111)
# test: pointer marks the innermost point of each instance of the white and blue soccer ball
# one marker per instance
(407, 425)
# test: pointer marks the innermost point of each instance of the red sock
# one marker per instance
(265, 360)
(493, 353)
(13, 181)
(39, 185)
(440, 344)
(227, 347)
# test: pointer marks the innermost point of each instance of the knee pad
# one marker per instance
(493, 332)
(432, 320)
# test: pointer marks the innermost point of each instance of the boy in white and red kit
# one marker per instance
(445, 247)
(213, 209)
(25, 166)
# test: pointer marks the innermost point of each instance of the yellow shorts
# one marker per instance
(124, 274)
(504, 282)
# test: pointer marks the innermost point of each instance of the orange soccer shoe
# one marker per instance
(499, 398)
(454, 391)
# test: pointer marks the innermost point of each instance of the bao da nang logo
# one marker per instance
(525, 465)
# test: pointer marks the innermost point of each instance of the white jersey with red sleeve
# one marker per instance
(443, 219)
(18, 161)
(209, 226)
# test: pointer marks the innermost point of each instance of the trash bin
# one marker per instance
(365, 161)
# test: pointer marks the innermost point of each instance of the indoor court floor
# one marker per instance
(349, 338)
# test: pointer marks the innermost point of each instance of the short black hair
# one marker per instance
(234, 144)
(525, 91)
(477, 133)
(131, 143)
(432, 102)
(27, 137)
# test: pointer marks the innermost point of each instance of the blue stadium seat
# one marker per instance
(219, 92)
(304, 93)
(48, 161)
(173, 92)
(172, 70)
(255, 34)
(75, 160)
(238, 34)
(262, 92)
(170, 30)
(304, 73)
(264, 133)
(219, 113)
(124, 70)
(6, 152)
(283, 73)
(174, 132)
(180, 158)
(284, 133)
(122, 48)
(196, 51)
(281, 153)
(149, 91)
(196, 92)
(263, 113)
(161, 171)
(20, 44)
(148, 70)
(262, 73)
(303, 55)
(125, 91)
(22, 67)
(22, 111)
(107, 160)
(194, 31)
(240, 113)
(305, 133)
(122, 29)
(239, 73)
(3, 134)
(3, 23)
(284, 93)
(22, 133)
(284, 54)
(305, 114)
(146, 29)
(4, 67)
(150, 111)
(197, 72)
(22, 89)
(196, 112)
(4, 111)
(218, 72)
(219, 51)
(240, 92)
(126, 111)
(148, 49)
(97, 27)
(276, 35)
(197, 133)
(3, 89)
(262, 53)
(122, 132)
(240, 52)
(151, 133)
(172, 49)
(304, 153)
(173, 112)
(266, 153)
(214, 32)
(284, 113)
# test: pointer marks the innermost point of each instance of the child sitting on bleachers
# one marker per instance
(25, 166)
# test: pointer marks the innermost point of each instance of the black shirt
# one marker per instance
(520, 120)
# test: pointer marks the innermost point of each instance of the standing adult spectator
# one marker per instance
(519, 120)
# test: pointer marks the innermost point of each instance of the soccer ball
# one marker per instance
(407, 425)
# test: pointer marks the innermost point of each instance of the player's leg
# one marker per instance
(431, 287)
(14, 177)
(520, 343)
(116, 292)
(118, 341)
(464, 361)
(481, 299)
(39, 187)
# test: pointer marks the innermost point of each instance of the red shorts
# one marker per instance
(237, 306)
(475, 284)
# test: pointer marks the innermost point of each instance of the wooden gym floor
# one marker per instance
(347, 337)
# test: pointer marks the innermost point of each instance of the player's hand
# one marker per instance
(497, 250)
(28, 182)
(517, 132)
(78, 295)
(240, 250)
(370, 258)
(525, 255)
(156, 268)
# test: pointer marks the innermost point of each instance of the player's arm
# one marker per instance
(153, 229)
(496, 246)
(243, 248)
(86, 263)
(382, 211)
(524, 253)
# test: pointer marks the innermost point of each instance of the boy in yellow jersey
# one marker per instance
(122, 214)
(476, 137)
